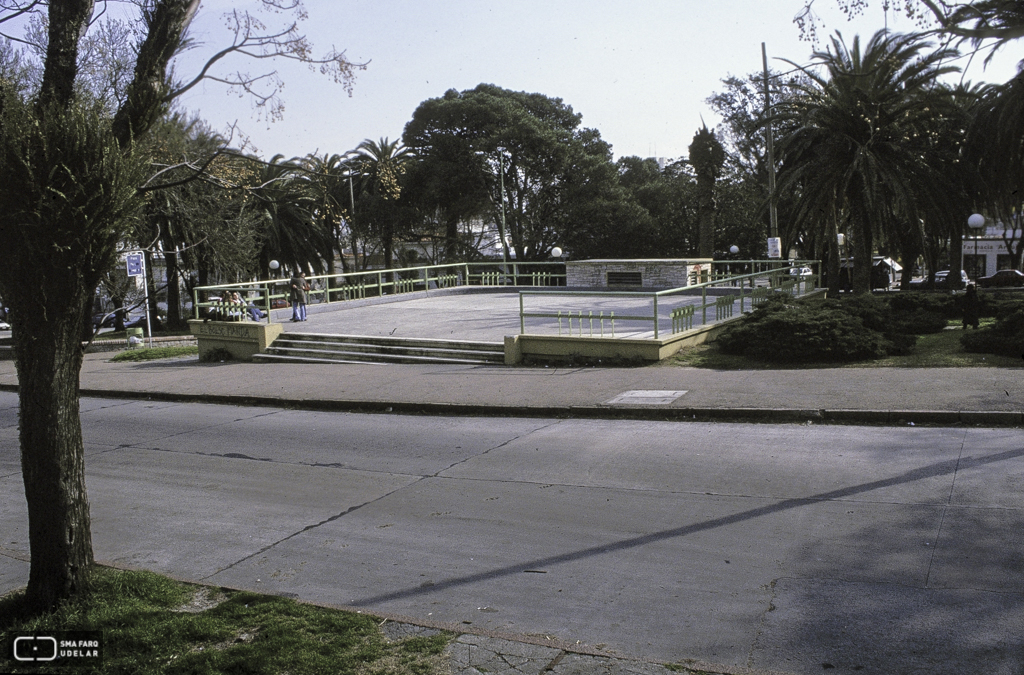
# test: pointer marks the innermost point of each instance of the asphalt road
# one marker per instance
(803, 549)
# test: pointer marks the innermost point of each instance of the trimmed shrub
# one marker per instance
(944, 304)
(999, 305)
(218, 354)
(829, 332)
(918, 322)
(1005, 337)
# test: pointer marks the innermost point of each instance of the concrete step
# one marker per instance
(318, 348)
(281, 358)
(463, 345)
(337, 356)
(284, 345)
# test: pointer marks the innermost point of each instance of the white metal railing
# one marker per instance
(593, 315)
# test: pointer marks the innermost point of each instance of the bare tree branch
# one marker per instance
(18, 9)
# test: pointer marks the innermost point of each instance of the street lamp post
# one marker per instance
(976, 222)
(504, 245)
(841, 240)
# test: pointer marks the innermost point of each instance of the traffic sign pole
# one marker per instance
(136, 264)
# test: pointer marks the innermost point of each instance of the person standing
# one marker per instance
(298, 295)
(972, 307)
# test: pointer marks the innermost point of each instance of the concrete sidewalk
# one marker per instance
(948, 396)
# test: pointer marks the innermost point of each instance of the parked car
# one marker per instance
(4, 325)
(1002, 278)
(801, 271)
(104, 320)
(941, 280)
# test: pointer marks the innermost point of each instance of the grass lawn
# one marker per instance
(123, 335)
(151, 624)
(937, 350)
(146, 354)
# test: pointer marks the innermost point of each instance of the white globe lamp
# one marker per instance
(976, 222)
(734, 249)
(556, 252)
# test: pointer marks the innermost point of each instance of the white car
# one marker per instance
(4, 325)
(800, 272)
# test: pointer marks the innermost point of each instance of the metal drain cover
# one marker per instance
(645, 397)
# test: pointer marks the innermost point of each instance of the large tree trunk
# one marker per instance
(862, 261)
(835, 284)
(174, 319)
(48, 359)
(451, 240)
(706, 218)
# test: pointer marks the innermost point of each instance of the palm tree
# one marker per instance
(856, 154)
(286, 205)
(945, 208)
(996, 147)
(381, 167)
(330, 182)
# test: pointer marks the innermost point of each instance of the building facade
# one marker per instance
(987, 253)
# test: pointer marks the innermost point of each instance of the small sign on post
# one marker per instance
(774, 247)
(136, 264)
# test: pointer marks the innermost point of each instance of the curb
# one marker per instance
(614, 661)
(839, 416)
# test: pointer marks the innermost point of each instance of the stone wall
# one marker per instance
(654, 273)
(241, 338)
(100, 345)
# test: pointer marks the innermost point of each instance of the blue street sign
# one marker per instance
(135, 264)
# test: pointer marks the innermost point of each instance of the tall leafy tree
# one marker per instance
(449, 181)
(856, 151)
(665, 197)
(745, 114)
(194, 211)
(70, 168)
(707, 155)
(530, 153)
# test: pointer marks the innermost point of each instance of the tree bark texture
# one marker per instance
(68, 20)
(48, 359)
(706, 217)
(147, 93)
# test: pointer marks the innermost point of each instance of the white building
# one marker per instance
(987, 253)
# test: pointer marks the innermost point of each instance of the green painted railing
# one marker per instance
(749, 289)
(270, 294)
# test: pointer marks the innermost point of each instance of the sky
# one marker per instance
(638, 71)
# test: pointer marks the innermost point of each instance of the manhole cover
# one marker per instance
(645, 397)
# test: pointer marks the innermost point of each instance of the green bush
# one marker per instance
(944, 304)
(998, 305)
(831, 332)
(218, 354)
(918, 322)
(1005, 337)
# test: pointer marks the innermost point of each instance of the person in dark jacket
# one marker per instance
(972, 307)
(298, 295)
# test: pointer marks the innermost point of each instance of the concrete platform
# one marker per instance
(482, 314)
